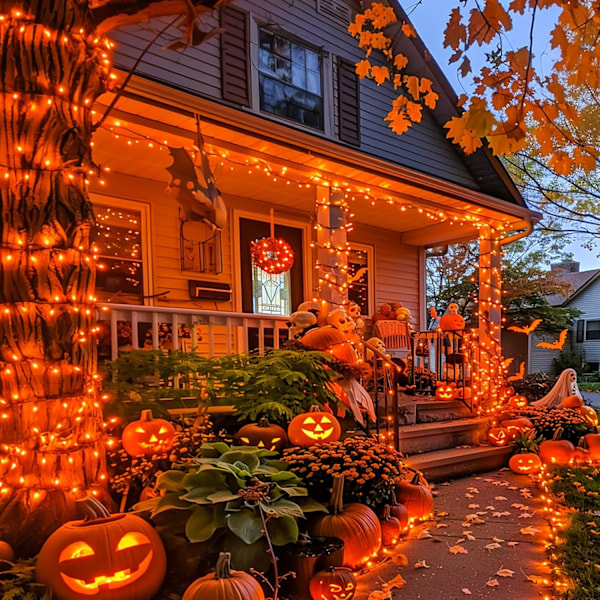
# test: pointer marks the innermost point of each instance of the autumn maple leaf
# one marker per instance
(400, 61)
(363, 68)
(455, 31)
(379, 74)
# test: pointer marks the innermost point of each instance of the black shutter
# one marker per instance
(348, 102)
(235, 55)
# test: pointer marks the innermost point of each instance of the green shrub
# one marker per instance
(547, 420)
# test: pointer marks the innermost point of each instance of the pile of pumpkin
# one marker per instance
(521, 430)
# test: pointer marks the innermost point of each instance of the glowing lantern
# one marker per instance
(573, 401)
(224, 584)
(272, 255)
(589, 414)
(263, 435)
(557, 451)
(314, 427)
(148, 436)
(416, 496)
(334, 583)
(516, 427)
(525, 463)
(445, 391)
(498, 436)
(518, 401)
(118, 557)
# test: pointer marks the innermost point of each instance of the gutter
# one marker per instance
(520, 235)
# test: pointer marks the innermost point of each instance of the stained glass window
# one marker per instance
(271, 293)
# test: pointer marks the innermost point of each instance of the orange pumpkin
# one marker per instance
(516, 427)
(452, 322)
(518, 401)
(116, 557)
(148, 436)
(557, 451)
(331, 340)
(498, 436)
(589, 414)
(390, 527)
(334, 583)
(314, 427)
(524, 463)
(592, 443)
(6, 552)
(224, 584)
(445, 391)
(573, 401)
(400, 512)
(582, 456)
(354, 523)
(416, 496)
(463, 393)
(263, 435)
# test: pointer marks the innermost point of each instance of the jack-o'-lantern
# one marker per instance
(445, 391)
(263, 435)
(573, 401)
(557, 451)
(589, 414)
(524, 463)
(314, 427)
(518, 401)
(117, 557)
(452, 321)
(516, 427)
(498, 436)
(148, 436)
(335, 583)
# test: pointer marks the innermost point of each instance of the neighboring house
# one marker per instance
(292, 135)
(585, 335)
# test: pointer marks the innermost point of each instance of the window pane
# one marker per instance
(282, 47)
(313, 82)
(358, 291)
(266, 61)
(266, 40)
(283, 69)
(592, 330)
(313, 61)
(299, 76)
(270, 293)
(579, 336)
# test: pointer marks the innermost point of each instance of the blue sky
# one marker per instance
(430, 27)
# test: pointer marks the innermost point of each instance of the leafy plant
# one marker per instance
(547, 420)
(223, 495)
(527, 441)
(370, 468)
(17, 582)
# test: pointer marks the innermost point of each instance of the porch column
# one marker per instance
(488, 373)
(332, 247)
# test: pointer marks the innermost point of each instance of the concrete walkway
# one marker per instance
(486, 516)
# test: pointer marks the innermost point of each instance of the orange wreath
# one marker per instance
(273, 255)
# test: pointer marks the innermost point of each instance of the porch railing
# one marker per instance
(210, 332)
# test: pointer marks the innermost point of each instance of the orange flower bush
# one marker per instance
(547, 420)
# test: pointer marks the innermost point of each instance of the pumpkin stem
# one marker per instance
(264, 422)
(386, 513)
(146, 415)
(582, 443)
(337, 495)
(558, 433)
(92, 508)
(223, 568)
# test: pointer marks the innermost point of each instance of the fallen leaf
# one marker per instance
(379, 595)
(461, 540)
(471, 517)
(525, 515)
(529, 530)
(512, 544)
(516, 505)
(490, 508)
(478, 522)
(401, 560)
(424, 534)
(492, 583)
(422, 565)
(471, 538)
(473, 506)
(523, 507)
(445, 483)
(439, 525)
(396, 582)
(505, 572)
(493, 546)
(539, 580)
(500, 498)
(512, 487)
(497, 540)
(469, 496)
(482, 512)
(473, 490)
(466, 591)
(458, 550)
(442, 514)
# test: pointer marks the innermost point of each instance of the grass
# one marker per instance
(589, 386)
(577, 551)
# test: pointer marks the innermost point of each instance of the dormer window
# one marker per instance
(290, 80)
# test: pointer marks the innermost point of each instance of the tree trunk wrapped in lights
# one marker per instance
(54, 66)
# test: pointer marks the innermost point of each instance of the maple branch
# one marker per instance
(529, 58)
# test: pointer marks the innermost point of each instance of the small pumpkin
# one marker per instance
(263, 435)
(445, 391)
(463, 393)
(416, 496)
(557, 451)
(390, 527)
(331, 340)
(6, 552)
(524, 463)
(148, 436)
(516, 427)
(114, 557)
(334, 583)
(592, 443)
(356, 524)
(224, 584)
(498, 436)
(573, 401)
(582, 456)
(400, 512)
(518, 401)
(314, 427)
(589, 414)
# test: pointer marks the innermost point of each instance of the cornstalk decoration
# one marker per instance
(55, 64)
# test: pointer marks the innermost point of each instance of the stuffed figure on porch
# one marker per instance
(565, 386)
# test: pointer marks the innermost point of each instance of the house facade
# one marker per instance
(285, 142)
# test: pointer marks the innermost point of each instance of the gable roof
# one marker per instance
(487, 169)
(580, 280)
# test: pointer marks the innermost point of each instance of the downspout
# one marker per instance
(520, 235)
(441, 251)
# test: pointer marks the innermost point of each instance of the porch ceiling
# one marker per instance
(252, 164)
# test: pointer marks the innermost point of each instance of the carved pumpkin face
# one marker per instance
(525, 463)
(314, 427)
(589, 414)
(148, 436)
(516, 427)
(445, 391)
(263, 435)
(498, 436)
(333, 584)
(518, 401)
(115, 558)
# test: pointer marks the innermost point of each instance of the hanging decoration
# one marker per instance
(272, 255)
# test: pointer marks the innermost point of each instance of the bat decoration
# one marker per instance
(198, 203)
(506, 363)
(519, 375)
(528, 329)
(558, 344)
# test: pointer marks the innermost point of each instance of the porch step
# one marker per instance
(451, 463)
(426, 437)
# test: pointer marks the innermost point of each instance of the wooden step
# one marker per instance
(451, 463)
(426, 409)
(426, 437)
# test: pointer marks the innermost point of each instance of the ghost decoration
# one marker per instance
(565, 386)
